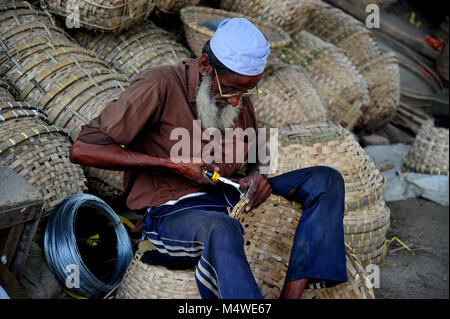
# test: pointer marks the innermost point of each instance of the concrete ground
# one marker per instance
(424, 227)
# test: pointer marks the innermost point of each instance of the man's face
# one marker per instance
(228, 88)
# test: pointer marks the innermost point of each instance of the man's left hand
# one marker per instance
(256, 189)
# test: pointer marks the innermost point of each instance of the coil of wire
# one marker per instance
(63, 254)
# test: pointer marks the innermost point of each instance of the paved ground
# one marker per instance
(423, 226)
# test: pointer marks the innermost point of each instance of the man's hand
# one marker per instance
(195, 172)
(256, 189)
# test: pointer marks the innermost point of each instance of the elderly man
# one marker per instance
(186, 215)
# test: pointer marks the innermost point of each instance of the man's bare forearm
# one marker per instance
(115, 157)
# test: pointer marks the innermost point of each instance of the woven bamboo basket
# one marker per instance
(101, 15)
(291, 15)
(288, 96)
(174, 6)
(197, 35)
(344, 31)
(382, 76)
(144, 281)
(145, 45)
(364, 3)
(269, 235)
(429, 152)
(6, 92)
(343, 89)
(39, 152)
(329, 144)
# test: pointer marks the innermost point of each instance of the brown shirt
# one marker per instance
(157, 101)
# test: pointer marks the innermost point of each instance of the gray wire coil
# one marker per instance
(61, 249)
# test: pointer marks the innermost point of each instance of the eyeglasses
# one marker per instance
(242, 93)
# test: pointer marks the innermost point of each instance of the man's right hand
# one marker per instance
(196, 171)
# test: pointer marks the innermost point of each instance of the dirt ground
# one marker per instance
(423, 226)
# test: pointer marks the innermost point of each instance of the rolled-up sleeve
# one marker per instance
(121, 120)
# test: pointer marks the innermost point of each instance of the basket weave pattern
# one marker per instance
(380, 71)
(145, 45)
(383, 79)
(67, 82)
(366, 218)
(174, 6)
(197, 35)
(288, 96)
(144, 281)
(102, 15)
(291, 15)
(342, 87)
(39, 152)
(429, 152)
(269, 236)
(5, 92)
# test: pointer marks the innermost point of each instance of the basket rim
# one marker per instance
(184, 15)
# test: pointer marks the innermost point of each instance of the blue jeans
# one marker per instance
(199, 231)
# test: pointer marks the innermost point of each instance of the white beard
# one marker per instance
(210, 115)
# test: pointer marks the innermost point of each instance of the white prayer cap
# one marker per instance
(240, 46)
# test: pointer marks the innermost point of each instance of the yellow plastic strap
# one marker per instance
(126, 222)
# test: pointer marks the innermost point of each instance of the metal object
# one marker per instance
(214, 176)
(62, 251)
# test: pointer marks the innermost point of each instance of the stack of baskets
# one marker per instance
(101, 15)
(381, 71)
(197, 34)
(291, 15)
(68, 83)
(344, 31)
(145, 45)
(336, 78)
(37, 151)
(429, 152)
(269, 235)
(366, 219)
(174, 6)
(287, 95)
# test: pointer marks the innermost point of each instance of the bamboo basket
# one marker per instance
(410, 118)
(39, 152)
(144, 281)
(329, 144)
(101, 15)
(288, 96)
(343, 89)
(69, 83)
(291, 15)
(429, 152)
(382, 76)
(364, 3)
(344, 31)
(6, 93)
(145, 45)
(269, 235)
(197, 35)
(174, 6)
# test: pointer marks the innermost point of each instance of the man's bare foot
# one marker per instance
(293, 289)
